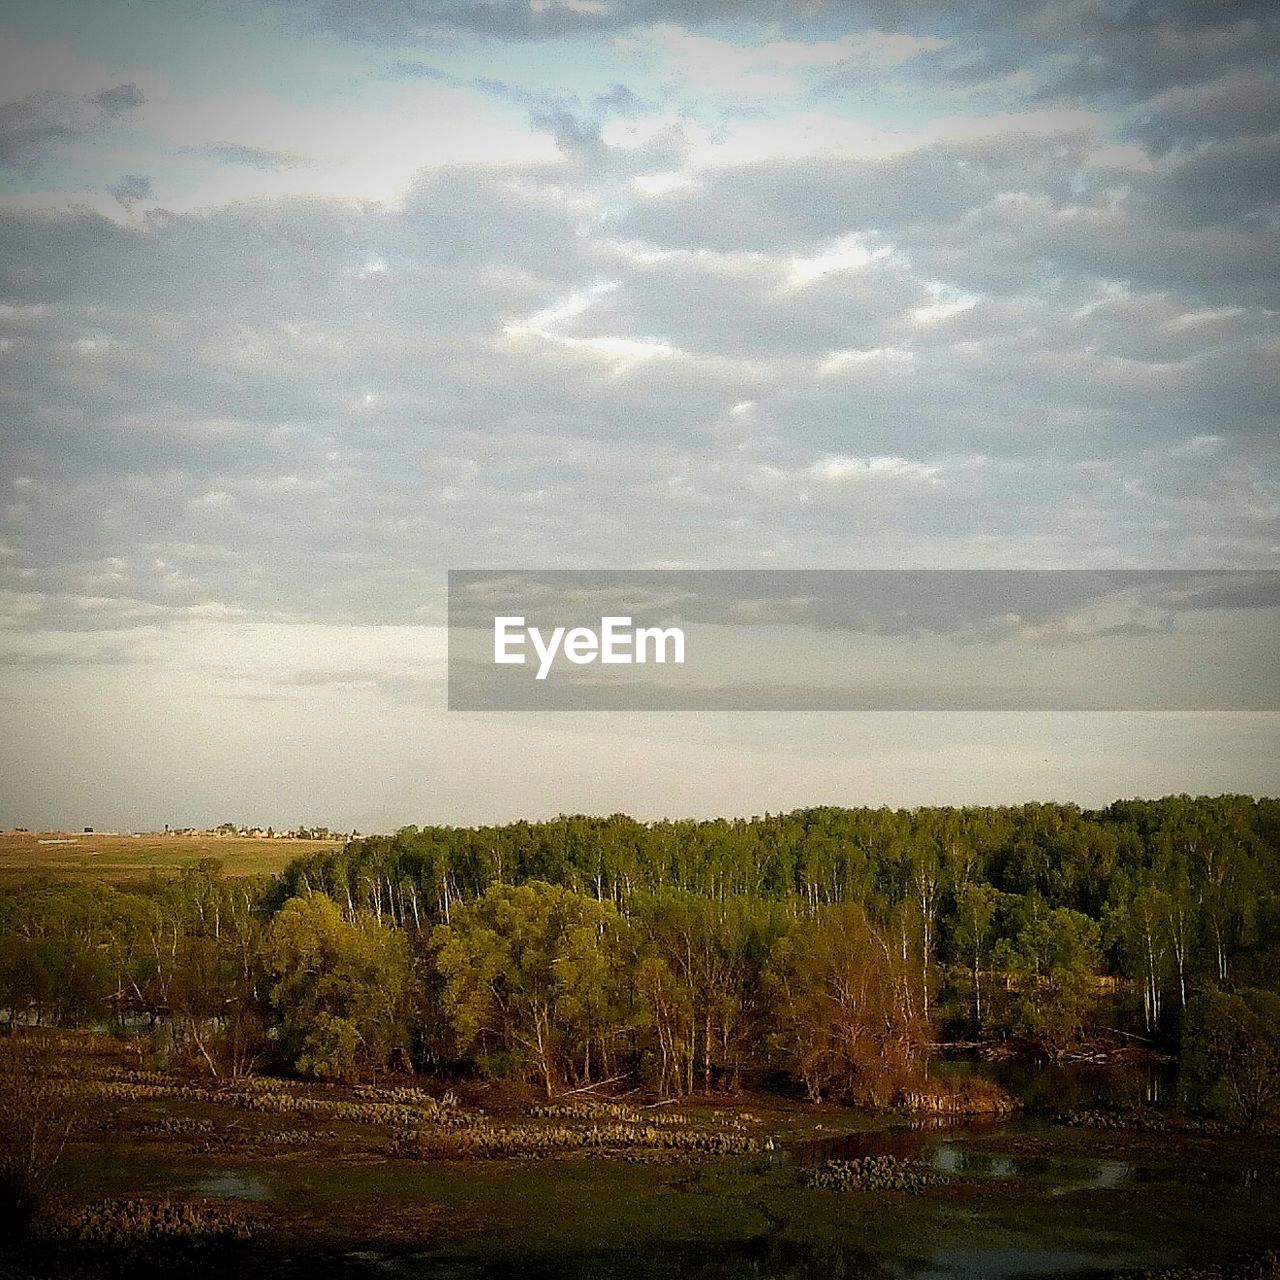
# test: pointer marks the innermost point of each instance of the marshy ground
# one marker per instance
(287, 1178)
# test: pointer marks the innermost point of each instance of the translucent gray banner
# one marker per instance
(947, 640)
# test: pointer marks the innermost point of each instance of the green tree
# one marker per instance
(1135, 924)
(25, 983)
(1231, 1054)
(528, 970)
(975, 917)
(341, 987)
(702, 988)
(1052, 966)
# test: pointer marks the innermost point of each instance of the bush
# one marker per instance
(537, 1140)
(38, 1119)
(1231, 1055)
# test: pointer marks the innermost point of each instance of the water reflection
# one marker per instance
(948, 1151)
(233, 1186)
(1001, 1264)
(1054, 1087)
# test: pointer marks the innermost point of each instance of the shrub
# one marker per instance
(133, 1224)
(1231, 1055)
(39, 1115)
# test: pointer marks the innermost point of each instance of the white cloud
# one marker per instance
(850, 253)
(826, 133)
(937, 312)
(851, 359)
(775, 66)
(430, 336)
(841, 469)
(659, 184)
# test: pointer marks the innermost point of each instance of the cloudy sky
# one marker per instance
(304, 303)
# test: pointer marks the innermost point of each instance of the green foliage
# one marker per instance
(699, 966)
(919, 874)
(1051, 966)
(873, 1173)
(25, 982)
(583, 948)
(341, 987)
(330, 1048)
(529, 970)
(1231, 1055)
(973, 937)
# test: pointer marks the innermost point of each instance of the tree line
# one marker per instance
(826, 947)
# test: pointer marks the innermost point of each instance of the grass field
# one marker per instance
(28, 855)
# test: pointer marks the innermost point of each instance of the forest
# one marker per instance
(825, 952)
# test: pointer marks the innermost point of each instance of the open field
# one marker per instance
(115, 858)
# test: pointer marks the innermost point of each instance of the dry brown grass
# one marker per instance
(114, 859)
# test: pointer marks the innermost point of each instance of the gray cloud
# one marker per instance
(253, 157)
(245, 433)
(1243, 102)
(102, 655)
(132, 189)
(306, 408)
(1042, 607)
(303, 410)
(574, 122)
(404, 20)
(794, 203)
(883, 640)
(1142, 48)
(33, 126)
(119, 99)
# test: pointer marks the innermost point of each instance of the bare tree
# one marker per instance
(40, 1114)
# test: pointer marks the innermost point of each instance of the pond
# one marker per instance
(1052, 1088)
(232, 1186)
(946, 1150)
